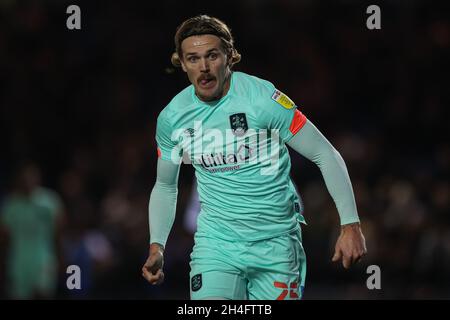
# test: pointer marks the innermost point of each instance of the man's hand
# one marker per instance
(152, 269)
(350, 246)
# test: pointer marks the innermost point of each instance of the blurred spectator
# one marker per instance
(31, 220)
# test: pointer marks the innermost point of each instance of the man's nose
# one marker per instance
(204, 65)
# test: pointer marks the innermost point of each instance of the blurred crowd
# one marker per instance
(78, 112)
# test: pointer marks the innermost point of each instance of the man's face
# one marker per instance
(205, 63)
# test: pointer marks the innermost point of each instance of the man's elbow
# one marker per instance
(337, 155)
(329, 156)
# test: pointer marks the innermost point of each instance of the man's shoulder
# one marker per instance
(265, 96)
(47, 197)
(178, 103)
(252, 85)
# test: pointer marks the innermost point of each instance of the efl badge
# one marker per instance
(196, 282)
(283, 99)
(239, 124)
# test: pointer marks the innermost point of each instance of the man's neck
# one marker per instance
(227, 84)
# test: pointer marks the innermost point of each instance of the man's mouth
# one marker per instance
(207, 82)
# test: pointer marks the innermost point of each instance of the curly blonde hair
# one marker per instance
(200, 25)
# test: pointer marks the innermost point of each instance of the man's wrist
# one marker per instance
(156, 247)
(353, 225)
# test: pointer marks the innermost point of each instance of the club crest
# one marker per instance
(238, 124)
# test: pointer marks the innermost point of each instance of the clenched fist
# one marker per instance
(152, 270)
(350, 246)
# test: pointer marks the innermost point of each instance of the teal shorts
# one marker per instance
(270, 269)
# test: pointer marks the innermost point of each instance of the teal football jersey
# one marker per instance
(237, 147)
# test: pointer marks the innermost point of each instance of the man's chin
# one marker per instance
(208, 97)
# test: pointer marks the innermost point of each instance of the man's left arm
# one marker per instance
(311, 144)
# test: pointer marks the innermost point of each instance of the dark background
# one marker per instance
(83, 104)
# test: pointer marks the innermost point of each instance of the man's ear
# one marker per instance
(182, 65)
(229, 56)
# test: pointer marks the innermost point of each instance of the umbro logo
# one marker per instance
(189, 132)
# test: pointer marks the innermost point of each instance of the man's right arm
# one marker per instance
(161, 210)
(163, 199)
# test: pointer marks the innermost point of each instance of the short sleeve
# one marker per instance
(282, 113)
(168, 147)
(49, 199)
(54, 202)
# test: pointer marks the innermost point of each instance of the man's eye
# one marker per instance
(192, 59)
(213, 56)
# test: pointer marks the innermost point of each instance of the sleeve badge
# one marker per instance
(283, 100)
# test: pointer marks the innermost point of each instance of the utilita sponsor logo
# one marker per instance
(244, 154)
(222, 150)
